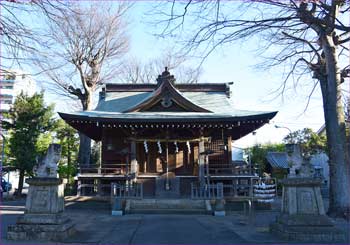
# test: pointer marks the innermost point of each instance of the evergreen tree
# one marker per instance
(309, 141)
(28, 119)
(69, 140)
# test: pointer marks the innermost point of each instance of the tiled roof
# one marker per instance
(121, 101)
(277, 159)
(217, 102)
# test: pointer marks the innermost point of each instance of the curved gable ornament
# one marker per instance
(167, 96)
(166, 101)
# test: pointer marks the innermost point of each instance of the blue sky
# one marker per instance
(231, 63)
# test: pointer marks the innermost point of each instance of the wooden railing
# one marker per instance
(214, 191)
(242, 187)
(222, 169)
(92, 189)
(129, 191)
(117, 169)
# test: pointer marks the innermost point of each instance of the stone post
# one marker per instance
(219, 201)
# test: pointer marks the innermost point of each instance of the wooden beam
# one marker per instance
(200, 87)
(179, 140)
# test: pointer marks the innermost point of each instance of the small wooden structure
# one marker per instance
(172, 139)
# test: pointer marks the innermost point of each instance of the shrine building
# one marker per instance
(167, 139)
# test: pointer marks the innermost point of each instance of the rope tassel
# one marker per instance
(159, 147)
(146, 146)
(176, 148)
(188, 147)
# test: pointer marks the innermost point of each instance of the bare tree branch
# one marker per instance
(18, 39)
(87, 44)
(306, 37)
(134, 71)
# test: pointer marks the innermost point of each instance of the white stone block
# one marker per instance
(117, 213)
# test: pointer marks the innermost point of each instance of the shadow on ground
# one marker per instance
(95, 225)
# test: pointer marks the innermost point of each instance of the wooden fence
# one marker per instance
(127, 191)
(214, 191)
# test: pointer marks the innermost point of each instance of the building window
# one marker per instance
(6, 87)
(9, 102)
(6, 96)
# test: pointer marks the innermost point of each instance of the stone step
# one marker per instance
(168, 211)
(167, 204)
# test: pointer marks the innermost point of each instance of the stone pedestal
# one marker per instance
(303, 216)
(219, 207)
(44, 218)
(117, 207)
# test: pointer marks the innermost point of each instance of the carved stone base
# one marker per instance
(45, 196)
(303, 216)
(49, 219)
(307, 233)
(44, 218)
(43, 232)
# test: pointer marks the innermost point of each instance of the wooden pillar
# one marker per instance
(229, 150)
(103, 148)
(99, 187)
(201, 163)
(167, 185)
(207, 169)
(133, 160)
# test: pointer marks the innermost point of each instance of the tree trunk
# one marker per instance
(339, 202)
(20, 182)
(84, 154)
(84, 150)
(68, 161)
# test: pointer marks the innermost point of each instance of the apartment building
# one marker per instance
(12, 83)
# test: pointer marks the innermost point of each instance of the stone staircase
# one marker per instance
(167, 206)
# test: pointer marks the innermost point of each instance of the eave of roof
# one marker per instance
(237, 127)
(168, 116)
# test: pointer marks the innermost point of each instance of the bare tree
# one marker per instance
(135, 71)
(18, 38)
(86, 45)
(307, 37)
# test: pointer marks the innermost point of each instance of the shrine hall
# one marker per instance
(166, 139)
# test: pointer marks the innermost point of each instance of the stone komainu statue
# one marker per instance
(47, 166)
